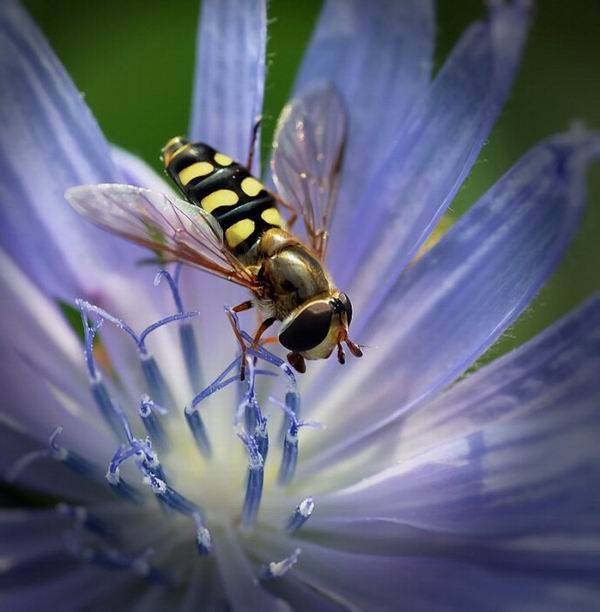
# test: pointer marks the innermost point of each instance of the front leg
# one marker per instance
(247, 305)
(262, 329)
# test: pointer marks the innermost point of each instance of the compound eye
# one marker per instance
(345, 300)
(309, 328)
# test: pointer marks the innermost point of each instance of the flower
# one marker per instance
(418, 494)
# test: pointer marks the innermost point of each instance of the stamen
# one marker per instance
(112, 558)
(190, 355)
(154, 378)
(72, 460)
(301, 514)
(154, 477)
(196, 425)
(156, 383)
(289, 460)
(262, 353)
(173, 285)
(113, 476)
(292, 405)
(170, 496)
(217, 384)
(122, 488)
(84, 520)
(97, 386)
(261, 437)
(276, 569)
(192, 413)
(186, 331)
(203, 539)
(89, 333)
(106, 406)
(289, 457)
(254, 483)
(249, 409)
(152, 423)
(21, 464)
(164, 321)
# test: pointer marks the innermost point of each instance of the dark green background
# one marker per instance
(133, 61)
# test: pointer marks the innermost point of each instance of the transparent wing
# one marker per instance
(307, 158)
(166, 224)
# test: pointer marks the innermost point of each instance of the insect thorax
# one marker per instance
(226, 190)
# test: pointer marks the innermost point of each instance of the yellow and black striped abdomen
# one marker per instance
(223, 188)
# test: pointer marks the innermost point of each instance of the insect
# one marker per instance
(230, 224)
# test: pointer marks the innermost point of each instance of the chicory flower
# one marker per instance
(418, 493)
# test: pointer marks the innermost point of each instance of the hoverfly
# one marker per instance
(230, 224)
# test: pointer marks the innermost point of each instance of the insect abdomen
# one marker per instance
(223, 188)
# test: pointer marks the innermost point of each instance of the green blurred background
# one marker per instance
(134, 62)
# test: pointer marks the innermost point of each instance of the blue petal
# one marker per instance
(502, 470)
(54, 581)
(456, 301)
(378, 54)
(25, 535)
(230, 75)
(420, 582)
(135, 171)
(242, 589)
(45, 476)
(49, 142)
(42, 374)
(434, 153)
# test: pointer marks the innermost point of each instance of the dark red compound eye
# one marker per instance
(309, 328)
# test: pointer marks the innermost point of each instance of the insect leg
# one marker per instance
(293, 213)
(253, 143)
(236, 330)
(262, 329)
(247, 305)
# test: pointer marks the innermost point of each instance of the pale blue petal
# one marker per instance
(531, 468)
(378, 54)
(135, 171)
(409, 582)
(230, 74)
(49, 141)
(60, 582)
(433, 154)
(243, 590)
(45, 476)
(502, 470)
(25, 535)
(42, 373)
(305, 597)
(456, 301)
